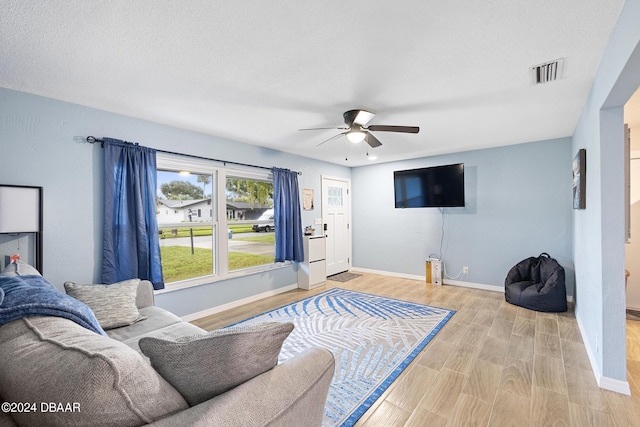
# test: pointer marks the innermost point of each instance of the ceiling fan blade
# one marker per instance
(372, 140)
(363, 117)
(342, 128)
(357, 117)
(333, 137)
(404, 129)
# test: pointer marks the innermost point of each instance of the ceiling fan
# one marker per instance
(358, 131)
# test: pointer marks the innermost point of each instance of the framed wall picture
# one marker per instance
(307, 199)
(579, 167)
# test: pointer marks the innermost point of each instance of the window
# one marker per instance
(249, 202)
(334, 198)
(213, 221)
(187, 239)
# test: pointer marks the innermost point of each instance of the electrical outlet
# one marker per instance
(465, 270)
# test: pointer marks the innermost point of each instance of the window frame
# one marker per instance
(220, 223)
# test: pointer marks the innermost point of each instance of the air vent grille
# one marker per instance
(547, 72)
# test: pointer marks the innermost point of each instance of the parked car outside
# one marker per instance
(266, 216)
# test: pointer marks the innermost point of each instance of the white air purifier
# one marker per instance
(434, 271)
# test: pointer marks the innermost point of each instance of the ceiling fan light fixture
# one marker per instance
(356, 136)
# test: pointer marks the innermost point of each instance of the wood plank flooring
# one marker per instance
(493, 364)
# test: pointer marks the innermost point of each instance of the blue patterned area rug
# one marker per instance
(373, 339)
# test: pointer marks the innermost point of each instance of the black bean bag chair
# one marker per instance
(537, 283)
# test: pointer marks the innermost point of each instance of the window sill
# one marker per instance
(199, 281)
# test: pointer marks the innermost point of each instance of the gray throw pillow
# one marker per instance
(114, 305)
(51, 359)
(19, 268)
(203, 366)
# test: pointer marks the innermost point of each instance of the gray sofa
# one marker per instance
(75, 377)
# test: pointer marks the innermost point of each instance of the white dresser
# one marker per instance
(312, 272)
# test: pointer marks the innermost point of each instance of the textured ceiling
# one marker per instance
(257, 71)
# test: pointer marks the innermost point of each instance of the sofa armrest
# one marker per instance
(292, 393)
(6, 420)
(144, 297)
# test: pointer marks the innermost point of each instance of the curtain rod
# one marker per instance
(93, 140)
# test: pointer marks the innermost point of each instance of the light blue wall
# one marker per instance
(599, 229)
(508, 196)
(518, 204)
(41, 143)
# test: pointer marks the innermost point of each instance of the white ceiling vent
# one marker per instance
(547, 72)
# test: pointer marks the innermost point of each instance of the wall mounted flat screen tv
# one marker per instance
(432, 187)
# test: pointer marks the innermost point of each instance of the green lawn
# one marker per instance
(178, 263)
(264, 238)
(241, 228)
(238, 260)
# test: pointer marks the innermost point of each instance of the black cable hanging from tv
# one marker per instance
(93, 140)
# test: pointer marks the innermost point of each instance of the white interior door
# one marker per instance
(336, 221)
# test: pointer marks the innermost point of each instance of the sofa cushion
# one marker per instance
(181, 329)
(114, 305)
(203, 366)
(156, 318)
(6, 420)
(50, 359)
(19, 268)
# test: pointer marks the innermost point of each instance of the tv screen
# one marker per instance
(432, 187)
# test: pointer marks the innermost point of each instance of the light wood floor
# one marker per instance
(493, 364)
(633, 356)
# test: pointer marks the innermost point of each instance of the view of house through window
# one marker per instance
(249, 205)
(207, 227)
(186, 224)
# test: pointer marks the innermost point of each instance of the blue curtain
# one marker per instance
(131, 246)
(287, 216)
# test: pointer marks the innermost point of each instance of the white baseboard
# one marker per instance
(474, 285)
(483, 286)
(618, 386)
(234, 304)
(606, 383)
(388, 273)
(421, 278)
(446, 282)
